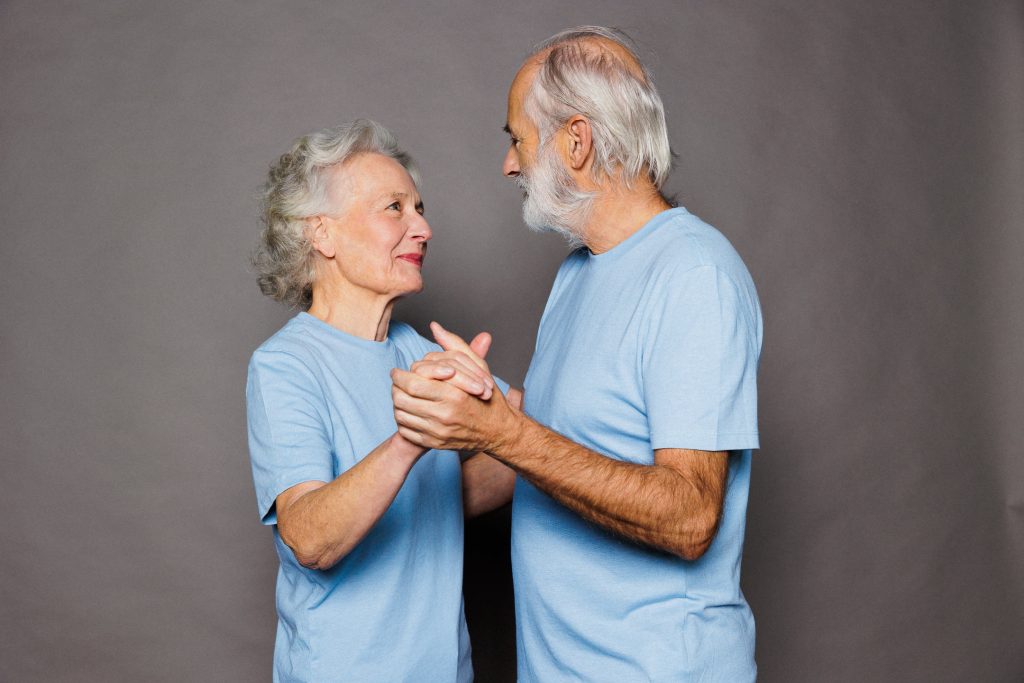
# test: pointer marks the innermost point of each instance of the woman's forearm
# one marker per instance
(487, 484)
(321, 522)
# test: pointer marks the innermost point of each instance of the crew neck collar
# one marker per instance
(628, 244)
(333, 332)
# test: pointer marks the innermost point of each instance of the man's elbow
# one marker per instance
(692, 542)
(692, 550)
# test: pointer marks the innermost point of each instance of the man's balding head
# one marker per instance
(595, 72)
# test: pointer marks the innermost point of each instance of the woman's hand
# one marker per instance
(458, 365)
(436, 414)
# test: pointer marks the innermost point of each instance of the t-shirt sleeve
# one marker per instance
(289, 438)
(699, 364)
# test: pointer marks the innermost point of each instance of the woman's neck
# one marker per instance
(352, 310)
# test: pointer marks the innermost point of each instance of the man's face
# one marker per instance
(524, 135)
(551, 200)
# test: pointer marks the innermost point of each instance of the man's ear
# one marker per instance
(580, 141)
(319, 236)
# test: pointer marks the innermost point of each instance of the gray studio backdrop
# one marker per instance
(864, 157)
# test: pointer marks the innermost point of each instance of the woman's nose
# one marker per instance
(420, 228)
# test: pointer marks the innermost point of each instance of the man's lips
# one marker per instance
(415, 259)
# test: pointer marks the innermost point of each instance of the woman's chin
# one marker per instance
(412, 288)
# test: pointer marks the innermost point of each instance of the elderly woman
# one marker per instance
(367, 526)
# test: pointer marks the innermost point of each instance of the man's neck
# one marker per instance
(618, 212)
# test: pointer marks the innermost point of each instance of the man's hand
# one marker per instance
(435, 413)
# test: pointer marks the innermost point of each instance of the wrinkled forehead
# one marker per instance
(523, 79)
(366, 175)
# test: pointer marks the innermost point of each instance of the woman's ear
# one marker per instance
(320, 236)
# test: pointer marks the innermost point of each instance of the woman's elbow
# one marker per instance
(308, 552)
(311, 559)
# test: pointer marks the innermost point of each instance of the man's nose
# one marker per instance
(511, 166)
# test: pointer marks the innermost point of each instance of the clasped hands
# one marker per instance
(448, 400)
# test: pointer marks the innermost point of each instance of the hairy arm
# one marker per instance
(674, 504)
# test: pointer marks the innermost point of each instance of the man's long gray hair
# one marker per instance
(622, 104)
(297, 188)
(626, 115)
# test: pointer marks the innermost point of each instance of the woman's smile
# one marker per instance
(413, 258)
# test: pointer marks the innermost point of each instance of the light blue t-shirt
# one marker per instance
(653, 344)
(319, 400)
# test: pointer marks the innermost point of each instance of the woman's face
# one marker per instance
(378, 238)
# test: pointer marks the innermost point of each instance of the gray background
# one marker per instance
(866, 158)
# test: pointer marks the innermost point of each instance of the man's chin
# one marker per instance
(571, 237)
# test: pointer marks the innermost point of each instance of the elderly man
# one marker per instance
(633, 448)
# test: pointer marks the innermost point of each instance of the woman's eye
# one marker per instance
(395, 205)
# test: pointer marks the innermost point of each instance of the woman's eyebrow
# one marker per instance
(392, 195)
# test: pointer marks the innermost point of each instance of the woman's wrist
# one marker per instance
(401, 448)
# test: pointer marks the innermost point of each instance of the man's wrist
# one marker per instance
(506, 443)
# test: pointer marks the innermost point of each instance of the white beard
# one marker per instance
(553, 202)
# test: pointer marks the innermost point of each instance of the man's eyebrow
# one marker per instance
(507, 129)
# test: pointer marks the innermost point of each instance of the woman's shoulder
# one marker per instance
(288, 346)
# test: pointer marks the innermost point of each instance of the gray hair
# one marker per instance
(624, 107)
(297, 188)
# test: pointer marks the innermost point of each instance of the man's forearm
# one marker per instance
(658, 505)
(673, 504)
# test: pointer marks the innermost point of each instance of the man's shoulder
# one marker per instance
(574, 259)
(687, 242)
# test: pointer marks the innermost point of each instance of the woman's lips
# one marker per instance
(415, 259)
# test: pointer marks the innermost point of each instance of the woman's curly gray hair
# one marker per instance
(296, 189)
